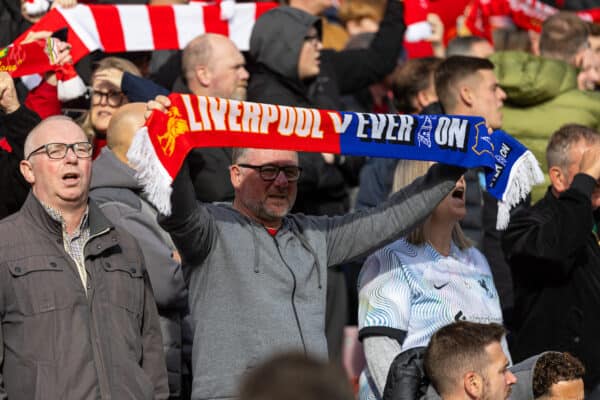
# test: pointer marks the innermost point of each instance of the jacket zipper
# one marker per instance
(104, 392)
(95, 235)
(293, 296)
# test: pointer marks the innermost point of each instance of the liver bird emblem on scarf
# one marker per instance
(176, 126)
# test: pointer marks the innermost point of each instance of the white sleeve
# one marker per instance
(380, 351)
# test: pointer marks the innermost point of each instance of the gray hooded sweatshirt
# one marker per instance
(252, 294)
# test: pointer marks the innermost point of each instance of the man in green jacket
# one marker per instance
(542, 91)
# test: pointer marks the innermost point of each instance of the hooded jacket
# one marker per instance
(119, 195)
(253, 294)
(542, 96)
(276, 79)
(523, 388)
(323, 187)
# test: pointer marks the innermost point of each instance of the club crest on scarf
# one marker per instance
(10, 58)
(24, 59)
(176, 126)
(484, 144)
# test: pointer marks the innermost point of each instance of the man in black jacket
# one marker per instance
(294, 70)
(554, 255)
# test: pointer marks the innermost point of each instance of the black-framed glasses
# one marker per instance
(58, 151)
(270, 172)
(312, 39)
(113, 98)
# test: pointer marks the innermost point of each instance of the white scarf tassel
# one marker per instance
(149, 171)
(525, 173)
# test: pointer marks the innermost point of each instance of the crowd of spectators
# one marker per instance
(249, 286)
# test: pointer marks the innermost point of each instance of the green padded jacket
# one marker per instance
(542, 96)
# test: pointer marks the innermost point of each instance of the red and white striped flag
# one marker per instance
(121, 28)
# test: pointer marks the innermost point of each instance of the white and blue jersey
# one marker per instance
(408, 292)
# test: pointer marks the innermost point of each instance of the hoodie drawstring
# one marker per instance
(255, 243)
(308, 247)
(304, 243)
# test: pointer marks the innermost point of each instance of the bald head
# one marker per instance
(213, 66)
(197, 52)
(36, 137)
(123, 126)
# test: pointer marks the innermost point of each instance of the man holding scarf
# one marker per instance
(257, 275)
(295, 70)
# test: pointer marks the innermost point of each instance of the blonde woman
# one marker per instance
(414, 286)
(105, 98)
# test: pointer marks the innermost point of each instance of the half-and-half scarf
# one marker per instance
(159, 149)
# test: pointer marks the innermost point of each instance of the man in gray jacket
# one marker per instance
(120, 198)
(77, 313)
(258, 274)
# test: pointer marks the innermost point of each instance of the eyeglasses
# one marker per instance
(270, 172)
(312, 39)
(58, 151)
(113, 99)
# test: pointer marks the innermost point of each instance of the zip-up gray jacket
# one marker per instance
(56, 342)
(252, 294)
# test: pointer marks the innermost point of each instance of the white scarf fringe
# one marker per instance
(525, 173)
(151, 174)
